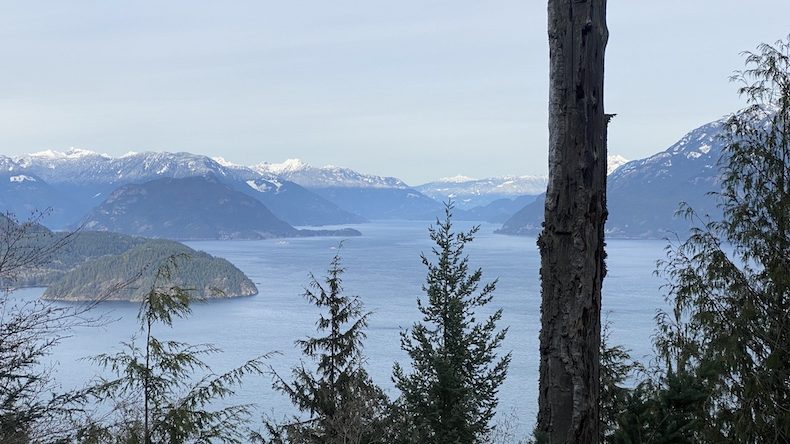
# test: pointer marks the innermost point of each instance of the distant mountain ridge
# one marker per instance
(75, 181)
(328, 176)
(370, 196)
(643, 195)
(196, 207)
(469, 193)
(87, 178)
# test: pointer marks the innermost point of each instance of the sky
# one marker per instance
(418, 89)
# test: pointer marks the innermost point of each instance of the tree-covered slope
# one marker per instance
(199, 207)
(130, 275)
(188, 208)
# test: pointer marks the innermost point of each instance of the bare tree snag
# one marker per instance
(572, 241)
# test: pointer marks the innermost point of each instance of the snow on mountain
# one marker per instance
(456, 179)
(264, 185)
(286, 167)
(643, 195)
(72, 153)
(86, 167)
(89, 177)
(21, 178)
(614, 162)
(7, 164)
(224, 162)
(693, 157)
(468, 192)
(328, 176)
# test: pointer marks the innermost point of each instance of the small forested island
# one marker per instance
(90, 265)
(130, 276)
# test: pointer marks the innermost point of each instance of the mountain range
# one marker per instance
(86, 187)
(77, 182)
(85, 178)
(468, 193)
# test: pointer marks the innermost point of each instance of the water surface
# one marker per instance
(384, 269)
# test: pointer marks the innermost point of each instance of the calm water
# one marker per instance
(384, 269)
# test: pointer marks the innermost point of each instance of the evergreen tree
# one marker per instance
(725, 346)
(616, 367)
(163, 391)
(451, 394)
(342, 402)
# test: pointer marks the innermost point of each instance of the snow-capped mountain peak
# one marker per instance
(71, 153)
(277, 169)
(328, 176)
(459, 178)
(468, 192)
(224, 162)
(614, 162)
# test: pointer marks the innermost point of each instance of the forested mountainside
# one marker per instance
(199, 207)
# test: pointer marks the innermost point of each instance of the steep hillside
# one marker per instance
(190, 208)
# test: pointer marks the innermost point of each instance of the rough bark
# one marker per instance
(572, 241)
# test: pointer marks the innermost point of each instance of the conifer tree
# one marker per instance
(450, 395)
(343, 404)
(725, 346)
(730, 279)
(164, 392)
(617, 367)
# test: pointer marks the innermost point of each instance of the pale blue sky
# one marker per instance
(418, 89)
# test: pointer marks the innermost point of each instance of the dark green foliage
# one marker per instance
(730, 279)
(92, 265)
(450, 396)
(27, 248)
(342, 403)
(109, 277)
(74, 249)
(164, 392)
(32, 407)
(725, 347)
(616, 368)
(661, 412)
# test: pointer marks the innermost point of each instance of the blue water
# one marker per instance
(384, 269)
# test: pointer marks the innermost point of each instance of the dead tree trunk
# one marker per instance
(572, 241)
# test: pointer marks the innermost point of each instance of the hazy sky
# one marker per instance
(418, 89)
